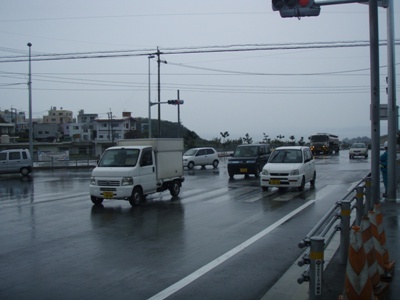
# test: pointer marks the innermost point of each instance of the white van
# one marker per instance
(15, 161)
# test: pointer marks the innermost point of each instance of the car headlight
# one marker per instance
(295, 172)
(264, 172)
(93, 180)
(127, 181)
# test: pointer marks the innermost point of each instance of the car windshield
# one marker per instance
(286, 156)
(248, 151)
(119, 158)
(358, 145)
(191, 152)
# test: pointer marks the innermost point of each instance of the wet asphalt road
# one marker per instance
(222, 239)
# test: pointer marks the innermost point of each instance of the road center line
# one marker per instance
(213, 264)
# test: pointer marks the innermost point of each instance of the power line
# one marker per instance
(191, 50)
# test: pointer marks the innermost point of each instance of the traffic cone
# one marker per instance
(369, 249)
(357, 285)
(379, 251)
(388, 265)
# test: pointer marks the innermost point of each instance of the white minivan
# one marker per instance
(15, 161)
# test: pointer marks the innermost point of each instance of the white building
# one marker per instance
(113, 129)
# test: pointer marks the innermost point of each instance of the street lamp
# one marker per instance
(149, 127)
(30, 104)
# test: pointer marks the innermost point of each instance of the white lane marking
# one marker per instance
(216, 262)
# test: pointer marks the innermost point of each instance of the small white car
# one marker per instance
(200, 157)
(291, 166)
(358, 149)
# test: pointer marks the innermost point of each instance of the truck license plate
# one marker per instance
(243, 170)
(274, 181)
(108, 195)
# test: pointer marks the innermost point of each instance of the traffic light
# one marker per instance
(296, 8)
(175, 102)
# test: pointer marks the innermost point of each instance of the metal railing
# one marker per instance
(71, 163)
(338, 218)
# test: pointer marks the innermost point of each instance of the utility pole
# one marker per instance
(375, 100)
(30, 104)
(159, 61)
(159, 92)
(110, 131)
(179, 116)
(392, 107)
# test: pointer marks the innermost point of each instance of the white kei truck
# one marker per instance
(138, 167)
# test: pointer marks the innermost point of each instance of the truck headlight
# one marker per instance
(127, 181)
(93, 180)
(295, 172)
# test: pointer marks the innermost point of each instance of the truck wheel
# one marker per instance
(303, 183)
(190, 165)
(24, 171)
(215, 163)
(265, 188)
(174, 188)
(137, 196)
(96, 201)
(231, 175)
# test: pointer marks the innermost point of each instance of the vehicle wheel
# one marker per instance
(312, 181)
(175, 188)
(303, 183)
(215, 163)
(190, 165)
(24, 171)
(137, 196)
(231, 175)
(265, 188)
(96, 201)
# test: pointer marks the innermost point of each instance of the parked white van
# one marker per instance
(15, 161)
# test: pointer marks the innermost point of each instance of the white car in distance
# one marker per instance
(358, 149)
(200, 157)
(290, 166)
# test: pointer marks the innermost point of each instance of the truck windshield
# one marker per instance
(319, 138)
(119, 158)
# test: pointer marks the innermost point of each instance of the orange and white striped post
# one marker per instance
(358, 284)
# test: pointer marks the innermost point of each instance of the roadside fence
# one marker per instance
(355, 217)
(70, 163)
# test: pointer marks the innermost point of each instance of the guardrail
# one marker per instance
(55, 163)
(338, 218)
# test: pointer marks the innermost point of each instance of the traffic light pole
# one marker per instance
(392, 107)
(375, 100)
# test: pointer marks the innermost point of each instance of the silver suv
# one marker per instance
(200, 157)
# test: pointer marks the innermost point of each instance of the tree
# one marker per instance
(247, 139)
(266, 139)
(292, 138)
(301, 141)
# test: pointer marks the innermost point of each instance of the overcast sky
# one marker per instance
(281, 76)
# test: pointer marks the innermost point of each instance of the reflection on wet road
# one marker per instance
(227, 238)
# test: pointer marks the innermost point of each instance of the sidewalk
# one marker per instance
(287, 287)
